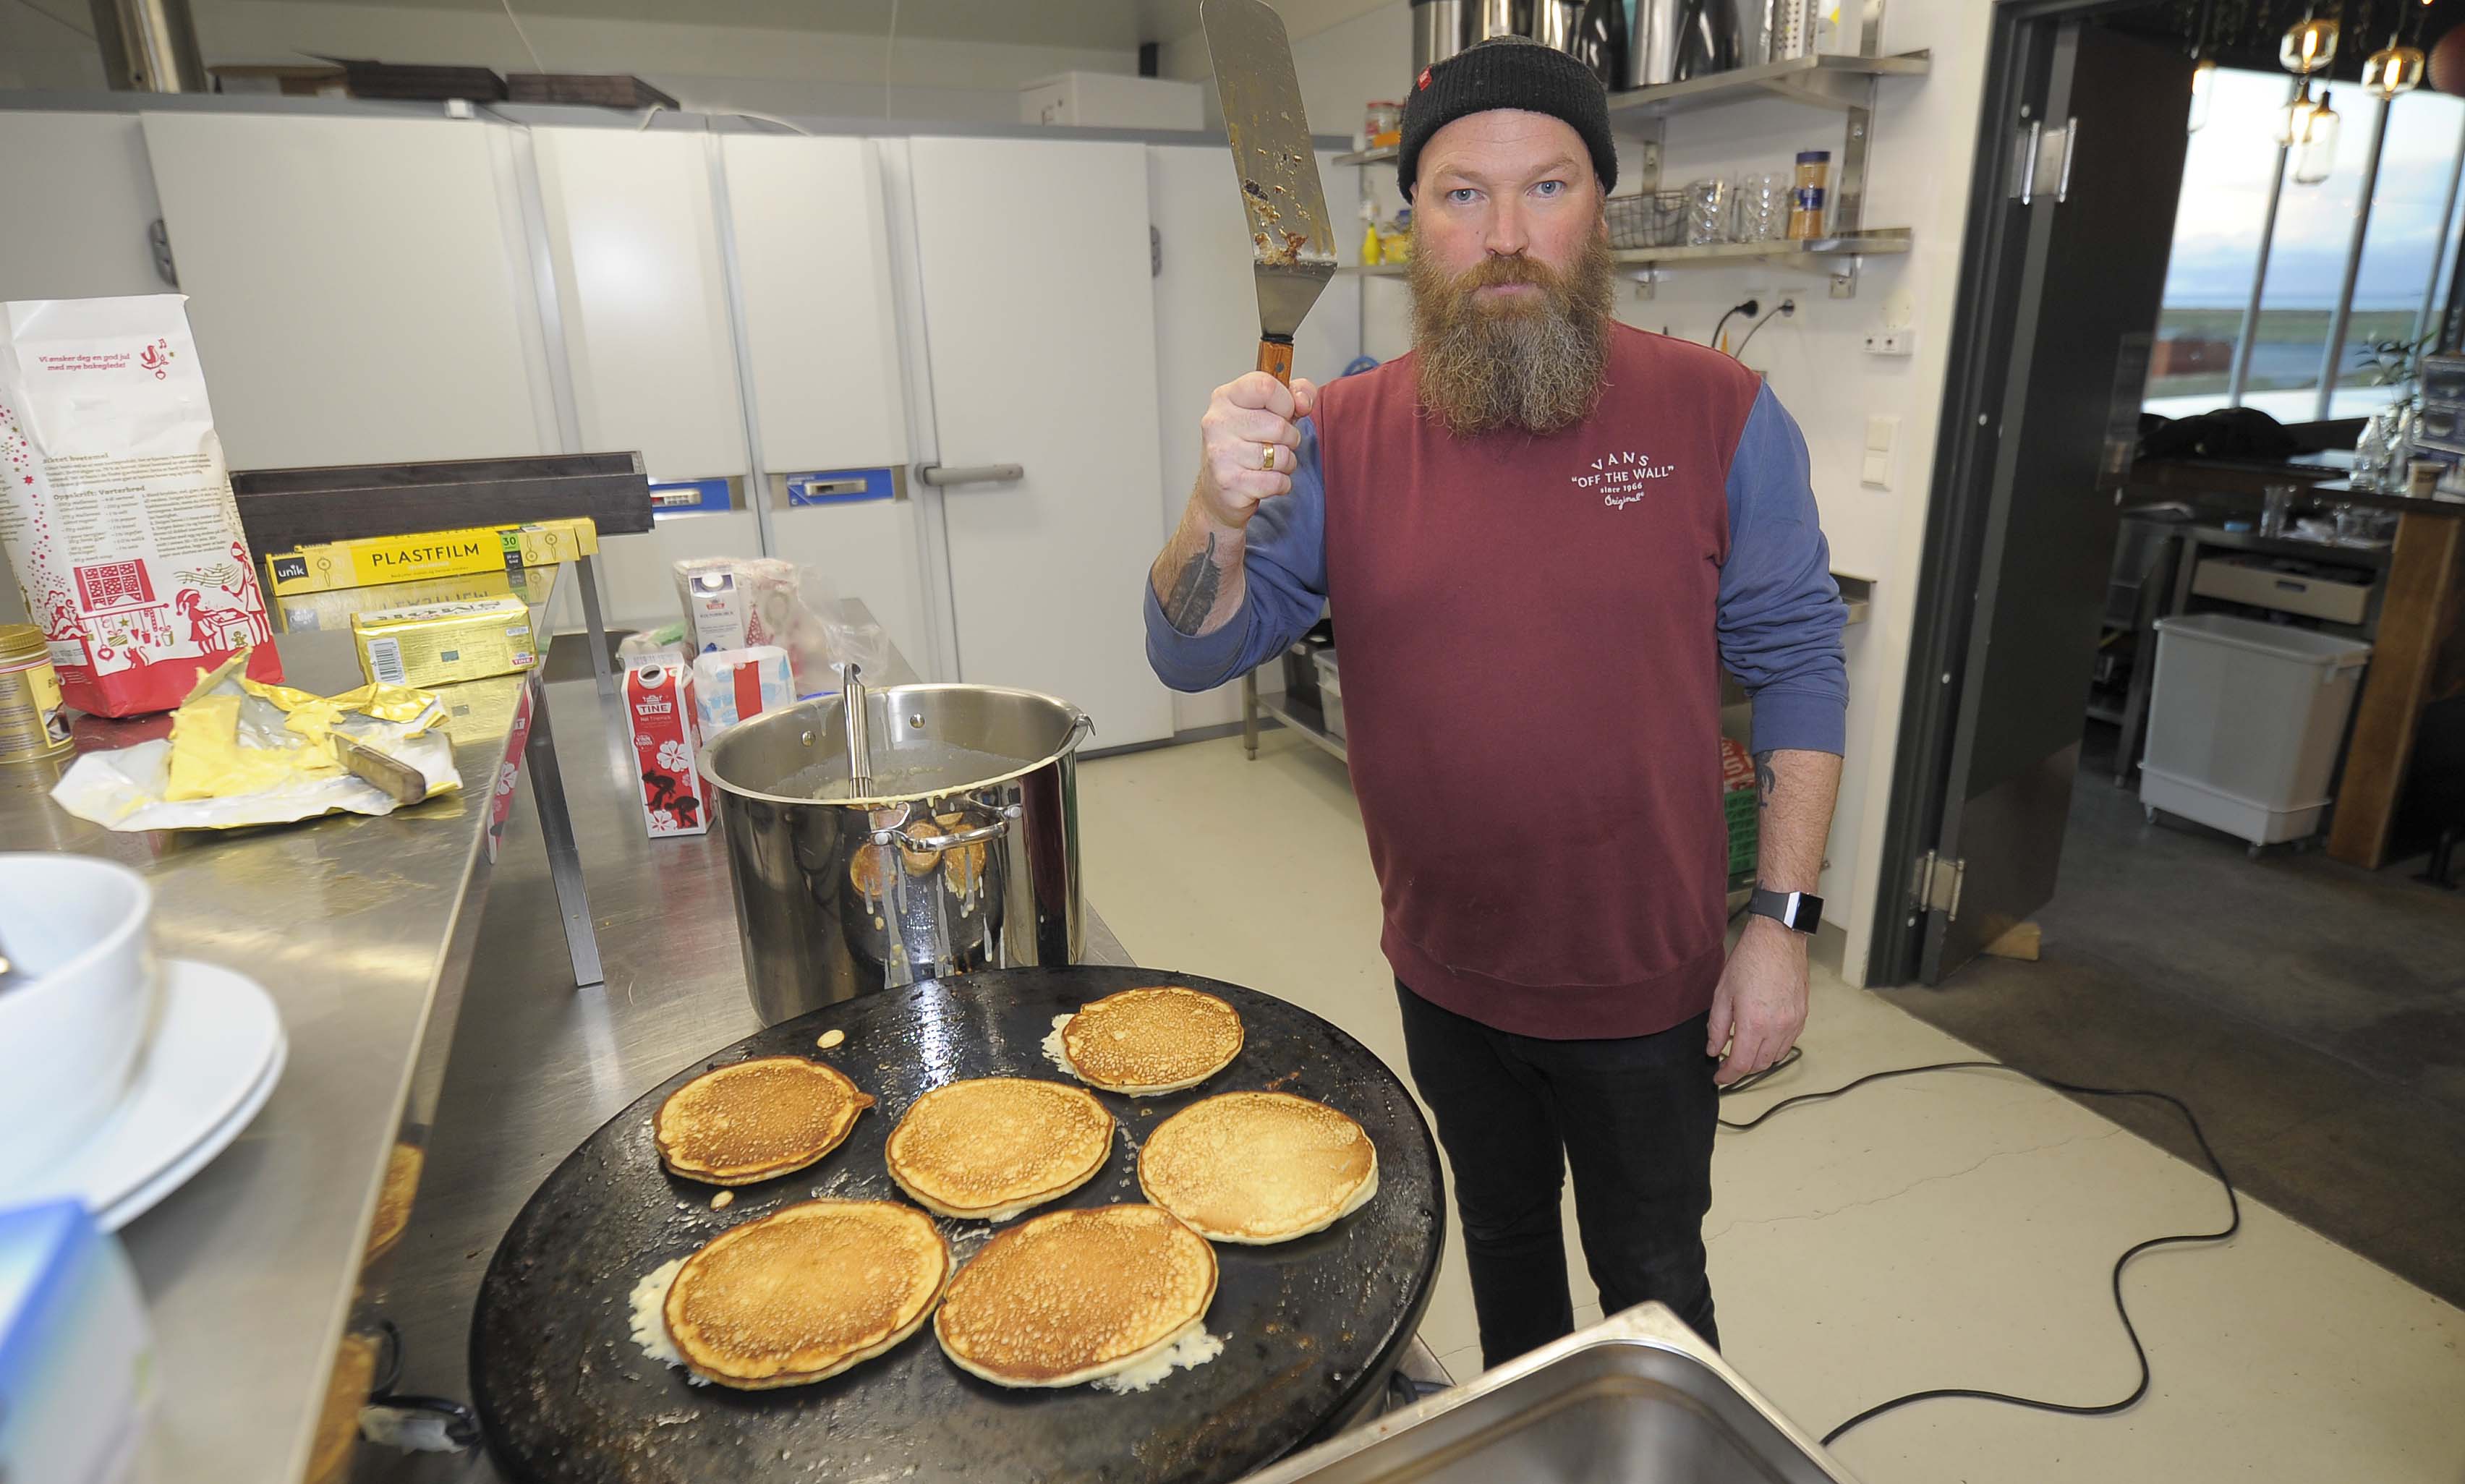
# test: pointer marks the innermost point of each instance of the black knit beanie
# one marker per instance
(1508, 72)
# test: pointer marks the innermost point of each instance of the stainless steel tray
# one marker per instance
(1636, 1399)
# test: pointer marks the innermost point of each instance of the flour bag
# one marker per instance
(119, 518)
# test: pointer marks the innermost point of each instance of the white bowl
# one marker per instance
(71, 1035)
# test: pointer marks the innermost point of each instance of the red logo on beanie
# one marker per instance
(1424, 80)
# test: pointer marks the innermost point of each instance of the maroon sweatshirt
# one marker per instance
(1533, 632)
(1532, 689)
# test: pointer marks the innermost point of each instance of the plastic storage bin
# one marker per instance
(2245, 722)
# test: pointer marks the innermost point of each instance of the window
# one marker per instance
(2403, 265)
(2218, 233)
(2216, 243)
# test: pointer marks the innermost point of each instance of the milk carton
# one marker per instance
(658, 702)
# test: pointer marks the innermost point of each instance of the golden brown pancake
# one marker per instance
(751, 1121)
(1259, 1168)
(1156, 1040)
(990, 1147)
(806, 1292)
(1074, 1296)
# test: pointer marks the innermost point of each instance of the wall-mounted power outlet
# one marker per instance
(1892, 343)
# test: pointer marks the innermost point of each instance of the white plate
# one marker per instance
(217, 1051)
(138, 1201)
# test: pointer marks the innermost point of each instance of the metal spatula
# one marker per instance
(1291, 237)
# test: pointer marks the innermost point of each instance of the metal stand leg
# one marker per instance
(556, 832)
(1250, 714)
(594, 626)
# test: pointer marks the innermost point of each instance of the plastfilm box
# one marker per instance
(373, 561)
(444, 643)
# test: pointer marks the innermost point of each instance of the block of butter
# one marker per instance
(441, 643)
(370, 560)
(332, 609)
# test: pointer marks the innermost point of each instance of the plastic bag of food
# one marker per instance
(734, 603)
(119, 516)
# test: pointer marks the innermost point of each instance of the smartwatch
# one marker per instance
(1800, 911)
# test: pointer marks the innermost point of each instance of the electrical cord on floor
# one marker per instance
(2233, 1205)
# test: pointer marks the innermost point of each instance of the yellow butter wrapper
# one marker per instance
(443, 643)
(373, 561)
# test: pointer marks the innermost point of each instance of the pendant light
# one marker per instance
(2309, 45)
(2395, 68)
(2295, 117)
(2315, 149)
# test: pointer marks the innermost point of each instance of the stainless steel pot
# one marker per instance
(963, 856)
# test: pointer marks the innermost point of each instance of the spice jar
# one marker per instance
(32, 722)
(1807, 199)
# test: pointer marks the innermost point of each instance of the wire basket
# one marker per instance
(1653, 219)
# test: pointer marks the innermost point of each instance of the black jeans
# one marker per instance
(1632, 1116)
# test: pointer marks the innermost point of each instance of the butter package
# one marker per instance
(443, 643)
(331, 611)
(376, 560)
(730, 685)
(76, 1358)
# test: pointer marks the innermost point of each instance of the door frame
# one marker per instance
(1992, 284)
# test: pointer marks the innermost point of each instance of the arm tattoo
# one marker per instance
(1193, 593)
(1767, 777)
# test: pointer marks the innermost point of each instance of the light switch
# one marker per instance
(1880, 434)
(1876, 472)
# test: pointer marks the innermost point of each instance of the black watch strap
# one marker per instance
(1800, 911)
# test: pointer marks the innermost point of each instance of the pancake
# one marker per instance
(1155, 1040)
(751, 1121)
(1078, 1295)
(988, 1148)
(806, 1292)
(1259, 1168)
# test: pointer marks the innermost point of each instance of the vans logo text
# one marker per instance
(1622, 478)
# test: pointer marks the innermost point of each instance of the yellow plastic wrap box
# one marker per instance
(377, 560)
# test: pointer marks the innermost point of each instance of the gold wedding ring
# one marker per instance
(1267, 455)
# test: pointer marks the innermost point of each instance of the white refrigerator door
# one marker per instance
(1040, 358)
(821, 328)
(644, 296)
(358, 294)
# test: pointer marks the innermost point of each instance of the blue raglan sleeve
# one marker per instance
(1285, 574)
(1780, 611)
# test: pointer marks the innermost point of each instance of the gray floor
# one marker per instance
(2313, 1015)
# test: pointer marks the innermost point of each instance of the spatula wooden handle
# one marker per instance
(1275, 359)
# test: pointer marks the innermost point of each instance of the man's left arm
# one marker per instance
(1780, 621)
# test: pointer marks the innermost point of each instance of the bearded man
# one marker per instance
(1542, 534)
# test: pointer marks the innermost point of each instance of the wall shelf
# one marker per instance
(1828, 81)
(1836, 256)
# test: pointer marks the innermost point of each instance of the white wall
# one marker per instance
(713, 68)
(1924, 139)
(48, 44)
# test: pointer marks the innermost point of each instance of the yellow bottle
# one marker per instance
(1368, 235)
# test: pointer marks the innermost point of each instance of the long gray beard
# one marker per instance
(1533, 367)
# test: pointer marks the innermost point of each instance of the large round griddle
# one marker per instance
(1310, 1326)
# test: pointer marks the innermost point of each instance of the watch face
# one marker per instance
(1809, 912)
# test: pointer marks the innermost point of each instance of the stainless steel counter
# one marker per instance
(361, 930)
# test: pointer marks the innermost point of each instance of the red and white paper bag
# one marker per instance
(119, 516)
